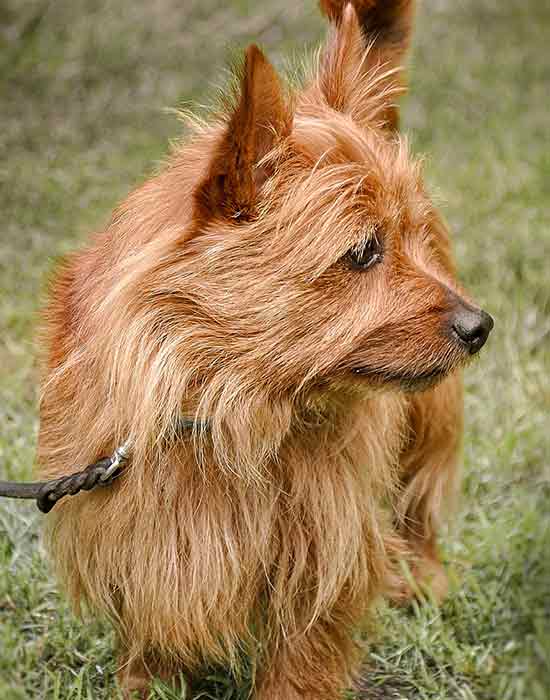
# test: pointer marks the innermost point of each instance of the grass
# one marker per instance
(83, 91)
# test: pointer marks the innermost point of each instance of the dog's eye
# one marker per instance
(364, 255)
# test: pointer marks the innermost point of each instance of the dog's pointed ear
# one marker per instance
(258, 121)
(361, 68)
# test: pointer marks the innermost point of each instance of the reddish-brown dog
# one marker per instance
(287, 283)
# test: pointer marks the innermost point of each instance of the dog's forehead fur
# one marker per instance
(330, 137)
(337, 183)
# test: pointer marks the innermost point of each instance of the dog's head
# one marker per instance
(320, 257)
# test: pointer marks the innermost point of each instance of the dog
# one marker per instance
(275, 325)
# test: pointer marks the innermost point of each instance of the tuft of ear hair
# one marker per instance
(260, 119)
(385, 27)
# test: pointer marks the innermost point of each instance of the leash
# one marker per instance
(48, 493)
(100, 473)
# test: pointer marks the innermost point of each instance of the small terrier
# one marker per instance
(285, 287)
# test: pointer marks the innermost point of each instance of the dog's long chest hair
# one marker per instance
(286, 283)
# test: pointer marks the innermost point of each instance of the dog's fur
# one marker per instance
(223, 290)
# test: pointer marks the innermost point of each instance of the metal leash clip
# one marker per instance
(120, 456)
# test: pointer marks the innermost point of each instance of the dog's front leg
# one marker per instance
(316, 665)
(428, 479)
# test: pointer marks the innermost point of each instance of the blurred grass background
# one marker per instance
(83, 93)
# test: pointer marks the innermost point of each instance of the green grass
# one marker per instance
(83, 91)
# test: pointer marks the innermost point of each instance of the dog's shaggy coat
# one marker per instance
(236, 288)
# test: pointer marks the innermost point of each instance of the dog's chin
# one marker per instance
(415, 384)
(407, 382)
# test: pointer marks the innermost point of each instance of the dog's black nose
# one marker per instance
(472, 326)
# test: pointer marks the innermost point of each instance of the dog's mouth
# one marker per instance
(407, 381)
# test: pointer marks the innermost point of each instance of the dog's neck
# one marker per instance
(254, 449)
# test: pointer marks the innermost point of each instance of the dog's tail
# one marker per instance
(386, 26)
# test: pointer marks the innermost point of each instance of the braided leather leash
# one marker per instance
(48, 493)
(100, 473)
